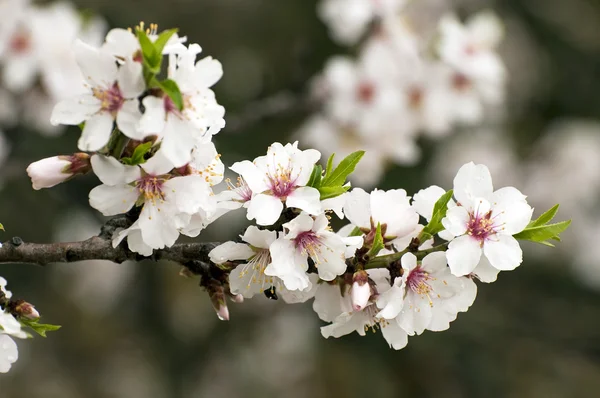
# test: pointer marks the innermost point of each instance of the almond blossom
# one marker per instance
(277, 178)
(112, 95)
(484, 221)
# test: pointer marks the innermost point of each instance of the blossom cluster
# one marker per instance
(406, 80)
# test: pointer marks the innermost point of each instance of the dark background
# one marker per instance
(141, 330)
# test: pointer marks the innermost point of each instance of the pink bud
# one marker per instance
(237, 298)
(222, 312)
(25, 310)
(52, 171)
(361, 290)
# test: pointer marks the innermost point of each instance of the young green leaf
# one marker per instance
(163, 38)
(356, 232)
(541, 233)
(152, 58)
(544, 218)
(138, 154)
(332, 192)
(378, 244)
(439, 212)
(343, 170)
(39, 328)
(2, 227)
(315, 177)
(329, 168)
(172, 90)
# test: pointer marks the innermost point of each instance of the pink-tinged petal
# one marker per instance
(111, 200)
(230, 251)
(358, 208)
(305, 198)
(254, 177)
(485, 272)
(157, 226)
(463, 255)
(261, 238)
(472, 181)
(425, 199)
(395, 336)
(96, 132)
(75, 111)
(208, 71)
(503, 252)
(112, 172)
(178, 141)
(154, 118)
(512, 218)
(97, 67)
(121, 43)
(131, 80)
(266, 209)
(128, 119)
(456, 221)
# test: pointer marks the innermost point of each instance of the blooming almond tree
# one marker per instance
(403, 264)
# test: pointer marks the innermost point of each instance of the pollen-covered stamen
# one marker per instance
(151, 187)
(418, 282)
(281, 181)
(240, 188)
(255, 267)
(482, 225)
(112, 98)
(375, 322)
(310, 244)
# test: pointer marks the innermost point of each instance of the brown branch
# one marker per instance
(193, 256)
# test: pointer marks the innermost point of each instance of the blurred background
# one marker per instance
(141, 330)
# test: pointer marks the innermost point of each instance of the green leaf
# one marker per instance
(541, 233)
(332, 192)
(378, 244)
(356, 232)
(329, 166)
(152, 58)
(138, 154)
(172, 90)
(2, 227)
(439, 212)
(163, 38)
(343, 170)
(315, 177)
(544, 218)
(39, 328)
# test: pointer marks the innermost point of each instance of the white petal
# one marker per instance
(472, 181)
(98, 67)
(75, 111)
(154, 118)
(157, 164)
(130, 79)
(392, 301)
(303, 163)
(266, 209)
(111, 200)
(485, 272)
(157, 226)
(178, 141)
(208, 71)
(298, 225)
(9, 353)
(330, 258)
(96, 132)
(128, 119)
(261, 238)
(512, 217)
(121, 42)
(425, 199)
(503, 252)
(305, 198)
(393, 208)
(395, 336)
(112, 172)
(456, 221)
(463, 255)
(254, 177)
(329, 302)
(230, 251)
(189, 194)
(358, 208)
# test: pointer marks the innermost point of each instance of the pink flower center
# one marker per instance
(415, 97)
(281, 181)
(240, 188)
(460, 82)
(112, 99)
(365, 92)
(417, 281)
(309, 243)
(151, 187)
(170, 106)
(20, 43)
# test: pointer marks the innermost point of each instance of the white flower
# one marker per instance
(349, 19)
(470, 50)
(277, 178)
(124, 44)
(168, 202)
(484, 221)
(427, 296)
(11, 326)
(9, 353)
(389, 208)
(112, 95)
(7, 293)
(424, 201)
(249, 277)
(52, 171)
(332, 306)
(201, 116)
(307, 238)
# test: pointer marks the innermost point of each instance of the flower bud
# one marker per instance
(361, 290)
(52, 171)
(24, 309)
(237, 298)
(216, 293)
